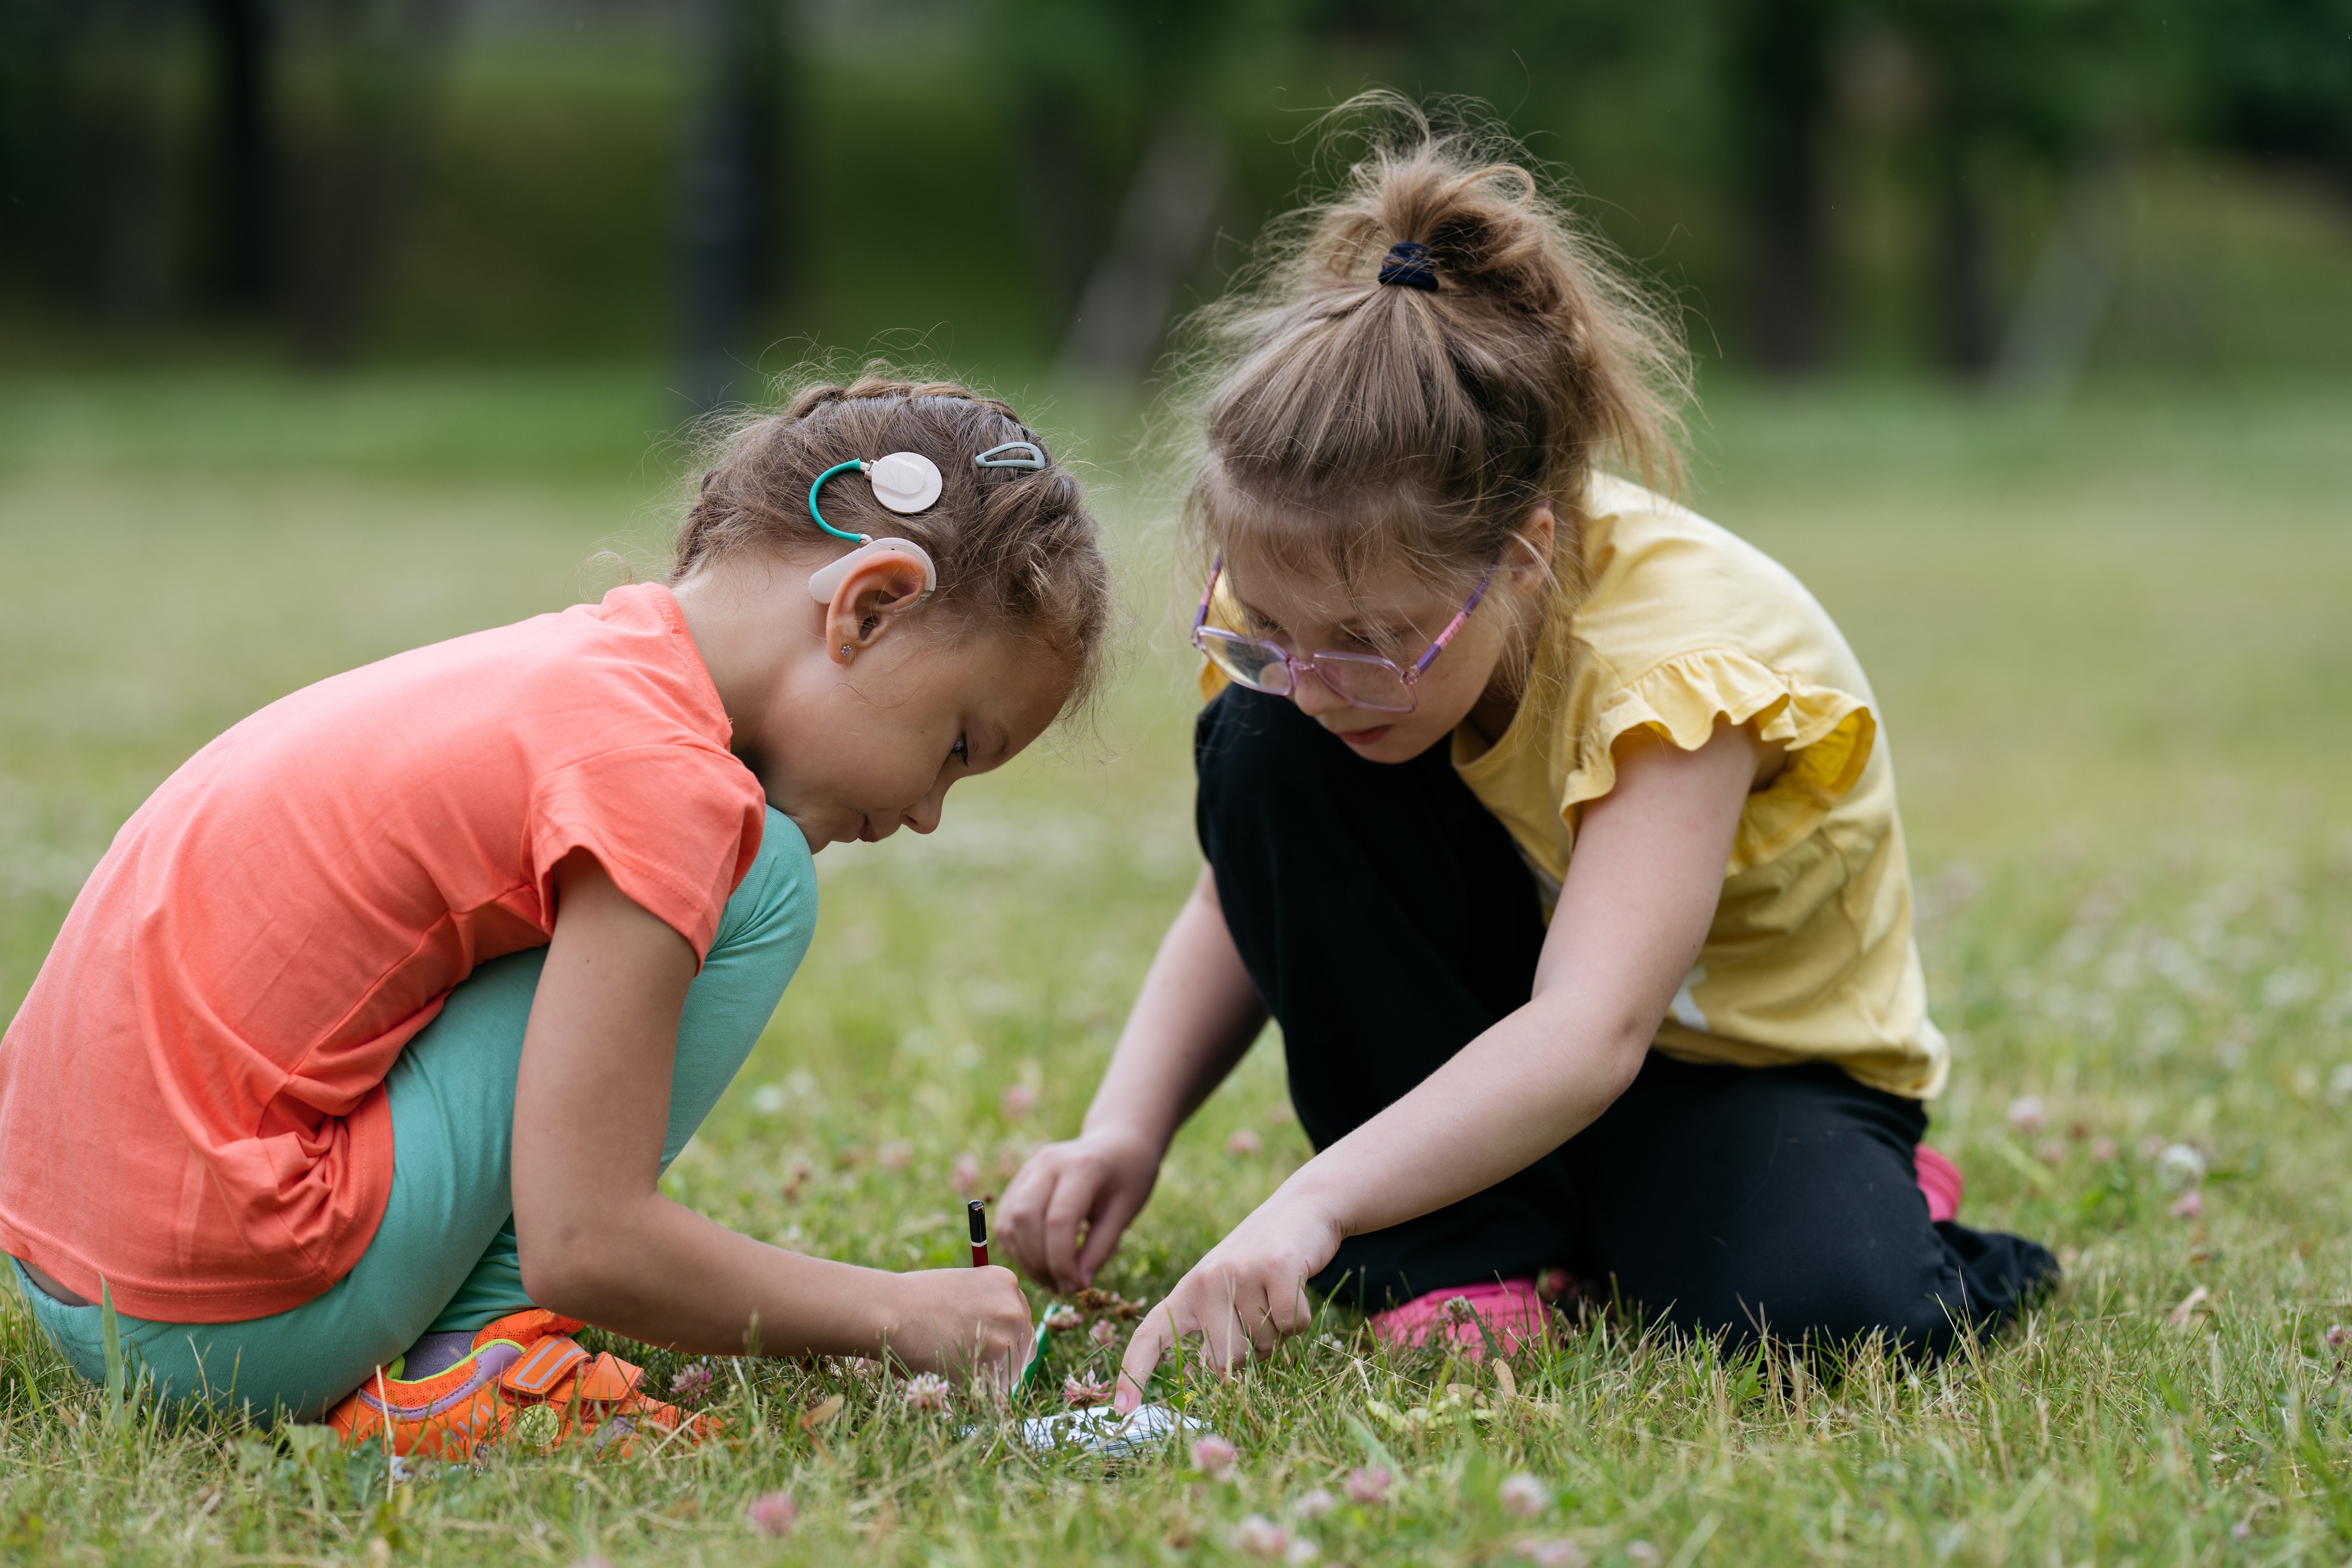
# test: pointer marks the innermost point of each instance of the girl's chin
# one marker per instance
(1385, 743)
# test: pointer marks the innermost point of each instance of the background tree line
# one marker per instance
(1819, 182)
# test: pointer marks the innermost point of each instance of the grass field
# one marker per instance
(2112, 644)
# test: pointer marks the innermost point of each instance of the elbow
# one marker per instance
(1628, 1049)
(571, 1274)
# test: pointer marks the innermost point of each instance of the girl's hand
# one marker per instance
(958, 1322)
(1097, 1182)
(1248, 1294)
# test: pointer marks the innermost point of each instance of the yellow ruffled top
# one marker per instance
(1810, 955)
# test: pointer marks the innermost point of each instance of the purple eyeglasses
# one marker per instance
(1359, 679)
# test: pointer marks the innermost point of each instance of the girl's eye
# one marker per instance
(961, 750)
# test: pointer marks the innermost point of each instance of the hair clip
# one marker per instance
(1032, 456)
(904, 481)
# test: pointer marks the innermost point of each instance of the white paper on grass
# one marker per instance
(1101, 1431)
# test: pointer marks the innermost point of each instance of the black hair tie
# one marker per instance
(1408, 266)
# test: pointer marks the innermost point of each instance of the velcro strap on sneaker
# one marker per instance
(607, 1380)
(547, 1364)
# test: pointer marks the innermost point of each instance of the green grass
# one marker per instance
(2111, 643)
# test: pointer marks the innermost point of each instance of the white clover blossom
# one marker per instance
(1524, 1496)
(1258, 1536)
(2179, 1166)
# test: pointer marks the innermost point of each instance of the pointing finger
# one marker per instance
(1152, 1338)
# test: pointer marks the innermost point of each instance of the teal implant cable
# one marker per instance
(860, 465)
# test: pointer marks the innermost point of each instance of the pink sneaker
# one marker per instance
(1510, 1309)
(1939, 1179)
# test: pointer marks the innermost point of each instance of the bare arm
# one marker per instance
(1193, 1019)
(598, 1240)
(1192, 1023)
(1639, 894)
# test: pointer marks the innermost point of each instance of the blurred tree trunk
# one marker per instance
(1057, 197)
(240, 269)
(2067, 298)
(1778, 93)
(383, 59)
(1965, 333)
(125, 141)
(732, 214)
(1163, 230)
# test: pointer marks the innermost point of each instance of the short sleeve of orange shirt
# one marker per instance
(191, 1097)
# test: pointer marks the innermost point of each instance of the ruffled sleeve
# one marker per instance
(1827, 734)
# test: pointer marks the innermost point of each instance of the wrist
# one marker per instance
(1318, 1194)
(1143, 1136)
(883, 1309)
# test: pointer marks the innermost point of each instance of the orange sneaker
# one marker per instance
(526, 1376)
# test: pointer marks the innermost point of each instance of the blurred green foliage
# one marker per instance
(1976, 184)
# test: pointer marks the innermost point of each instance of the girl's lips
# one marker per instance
(1372, 736)
(865, 834)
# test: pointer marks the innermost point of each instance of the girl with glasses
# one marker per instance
(1551, 822)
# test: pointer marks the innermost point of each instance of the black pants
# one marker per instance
(1387, 919)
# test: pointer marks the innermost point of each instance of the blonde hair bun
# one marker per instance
(1350, 422)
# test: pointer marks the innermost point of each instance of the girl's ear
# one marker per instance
(870, 600)
(1531, 558)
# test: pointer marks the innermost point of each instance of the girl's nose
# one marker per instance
(924, 815)
(1313, 697)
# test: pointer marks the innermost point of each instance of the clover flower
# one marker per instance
(1371, 1484)
(1551, 1552)
(2337, 1338)
(1214, 1457)
(1062, 1319)
(966, 1175)
(1104, 1333)
(1258, 1536)
(1523, 1495)
(1017, 1102)
(928, 1390)
(2179, 1166)
(1314, 1505)
(689, 1385)
(1243, 1142)
(1079, 1394)
(1458, 1309)
(2027, 1113)
(774, 1514)
(2188, 1205)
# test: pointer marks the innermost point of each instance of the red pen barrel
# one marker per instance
(977, 1211)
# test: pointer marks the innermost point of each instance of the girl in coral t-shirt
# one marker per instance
(347, 1084)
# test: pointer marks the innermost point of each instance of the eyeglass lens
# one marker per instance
(1363, 680)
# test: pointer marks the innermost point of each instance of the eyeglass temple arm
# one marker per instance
(1216, 569)
(1460, 616)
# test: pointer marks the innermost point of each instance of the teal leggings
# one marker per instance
(444, 1258)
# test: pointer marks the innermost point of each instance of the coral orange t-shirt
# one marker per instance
(192, 1102)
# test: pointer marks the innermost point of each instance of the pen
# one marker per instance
(978, 1210)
